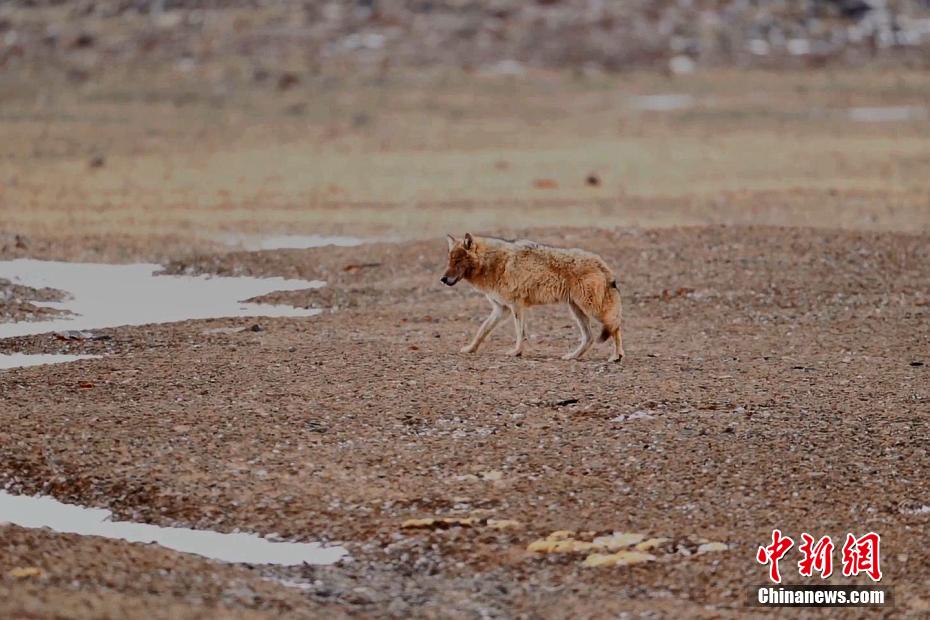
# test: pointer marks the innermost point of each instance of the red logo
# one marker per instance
(773, 553)
(860, 555)
(817, 557)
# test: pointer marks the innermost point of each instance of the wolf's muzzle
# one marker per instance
(448, 281)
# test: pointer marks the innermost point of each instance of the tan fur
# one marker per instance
(518, 274)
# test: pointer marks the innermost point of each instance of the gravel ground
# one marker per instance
(774, 377)
(15, 302)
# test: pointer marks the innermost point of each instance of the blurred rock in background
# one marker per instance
(82, 37)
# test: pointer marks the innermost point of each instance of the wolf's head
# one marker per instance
(462, 259)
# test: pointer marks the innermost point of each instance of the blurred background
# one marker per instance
(146, 127)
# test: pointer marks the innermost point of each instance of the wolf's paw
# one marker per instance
(515, 352)
(467, 349)
(615, 358)
(570, 356)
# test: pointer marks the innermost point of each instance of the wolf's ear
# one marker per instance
(469, 242)
(451, 241)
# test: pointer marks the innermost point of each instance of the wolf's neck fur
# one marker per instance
(489, 269)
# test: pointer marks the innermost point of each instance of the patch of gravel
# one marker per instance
(15, 302)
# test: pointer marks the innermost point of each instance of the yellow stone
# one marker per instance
(711, 547)
(503, 524)
(617, 540)
(25, 571)
(652, 543)
(621, 558)
(563, 541)
(560, 546)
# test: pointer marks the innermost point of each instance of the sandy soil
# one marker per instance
(775, 377)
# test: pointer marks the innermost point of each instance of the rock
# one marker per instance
(711, 547)
(618, 540)
(622, 558)
(651, 543)
(504, 524)
(563, 541)
(25, 572)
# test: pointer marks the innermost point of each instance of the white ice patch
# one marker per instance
(887, 114)
(21, 360)
(663, 103)
(115, 295)
(46, 512)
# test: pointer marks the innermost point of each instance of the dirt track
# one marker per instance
(774, 378)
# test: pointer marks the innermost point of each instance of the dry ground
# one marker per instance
(773, 377)
(183, 157)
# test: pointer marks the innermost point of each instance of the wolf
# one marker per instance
(517, 274)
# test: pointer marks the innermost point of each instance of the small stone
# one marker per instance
(24, 572)
(711, 547)
(652, 543)
(621, 558)
(504, 524)
(617, 540)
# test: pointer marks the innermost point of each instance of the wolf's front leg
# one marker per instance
(519, 322)
(493, 320)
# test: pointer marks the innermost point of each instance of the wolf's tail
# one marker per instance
(613, 320)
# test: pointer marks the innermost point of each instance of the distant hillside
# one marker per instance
(497, 35)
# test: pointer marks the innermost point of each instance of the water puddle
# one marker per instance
(46, 512)
(887, 114)
(22, 360)
(114, 295)
(662, 103)
(254, 243)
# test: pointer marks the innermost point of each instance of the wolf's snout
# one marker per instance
(446, 280)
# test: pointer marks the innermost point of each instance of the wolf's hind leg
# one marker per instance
(610, 331)
(519, 322)
(611, 316)
(493, 320)
(618, 346)
(587, 339)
